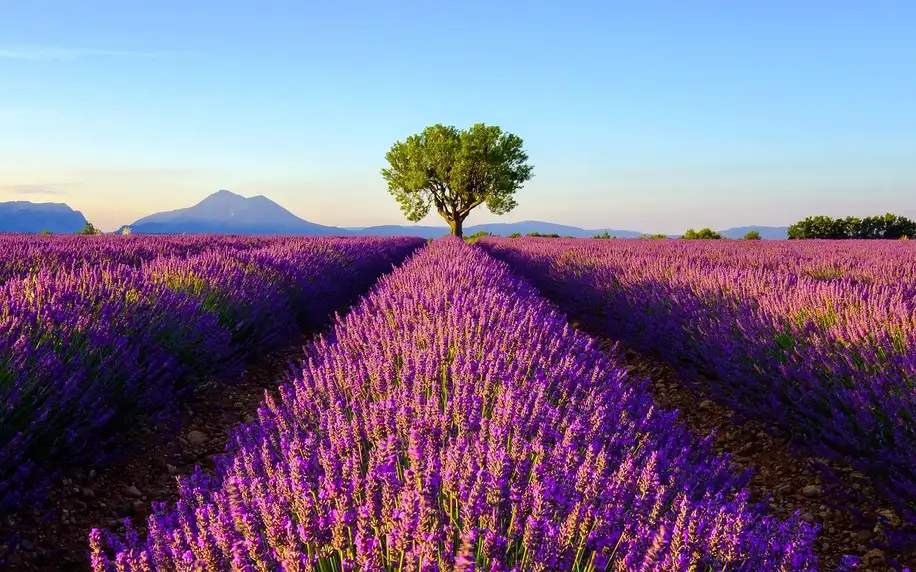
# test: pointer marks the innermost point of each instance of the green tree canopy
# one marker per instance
(705, 233)
(89, 228)
(457, 171)
(752, 235)
(873, 227)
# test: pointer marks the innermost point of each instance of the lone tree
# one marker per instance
(457, 171)
(90, 229)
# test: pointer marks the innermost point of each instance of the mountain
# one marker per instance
(766, 232)
(529, 226)
(224, 212)
(501, 228)
(25, 216)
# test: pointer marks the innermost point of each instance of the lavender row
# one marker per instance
(24, 254)
(453, 421)
(884, 262)
(86, 354)
(831, 359)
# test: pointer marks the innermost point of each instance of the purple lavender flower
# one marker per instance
(454, 420)
(815, 338)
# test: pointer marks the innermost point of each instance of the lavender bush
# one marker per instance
(24, 254)
(454, 421)
(817, 338)
(87, 351)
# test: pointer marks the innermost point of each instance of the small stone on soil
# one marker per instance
(812, 491)
(132, 491)
(197, 437)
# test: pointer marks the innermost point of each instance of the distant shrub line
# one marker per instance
(888, 226)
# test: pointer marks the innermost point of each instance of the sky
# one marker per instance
(652, 116)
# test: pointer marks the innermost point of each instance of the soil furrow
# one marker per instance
(788, 481)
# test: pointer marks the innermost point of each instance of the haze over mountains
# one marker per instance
(225, 212)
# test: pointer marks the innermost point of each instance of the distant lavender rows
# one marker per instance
(98, 334)
(453, 421)
(815, 337)
(23, 254)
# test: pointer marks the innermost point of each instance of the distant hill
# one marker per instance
(224, 212)
(501, 228)
(25, 216)
(401, 230)
(766, 232)
(529, 226)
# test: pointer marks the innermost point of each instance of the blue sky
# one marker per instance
(653, 116)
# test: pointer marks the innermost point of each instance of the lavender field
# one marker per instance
(99, 333)
(814, 338)
(454, 418)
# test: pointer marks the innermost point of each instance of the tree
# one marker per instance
(456, 171)
(89, 228)
(752, 235)
(873, 227)
(705, 233)
(605, 235)
(894, 226)
(814, 227)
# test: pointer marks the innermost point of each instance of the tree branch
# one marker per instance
(467, 210)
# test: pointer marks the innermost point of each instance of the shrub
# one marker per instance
(702, 234)
(89, 229)
(477, 236)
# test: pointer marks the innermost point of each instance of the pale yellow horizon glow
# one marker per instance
(110, 198)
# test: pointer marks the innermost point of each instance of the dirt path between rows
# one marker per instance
(790, 482)
(54, 537)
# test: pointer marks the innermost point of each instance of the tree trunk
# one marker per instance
(456, 226)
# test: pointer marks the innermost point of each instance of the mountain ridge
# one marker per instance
(542, 227)
(29, 217)
(225, 212)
